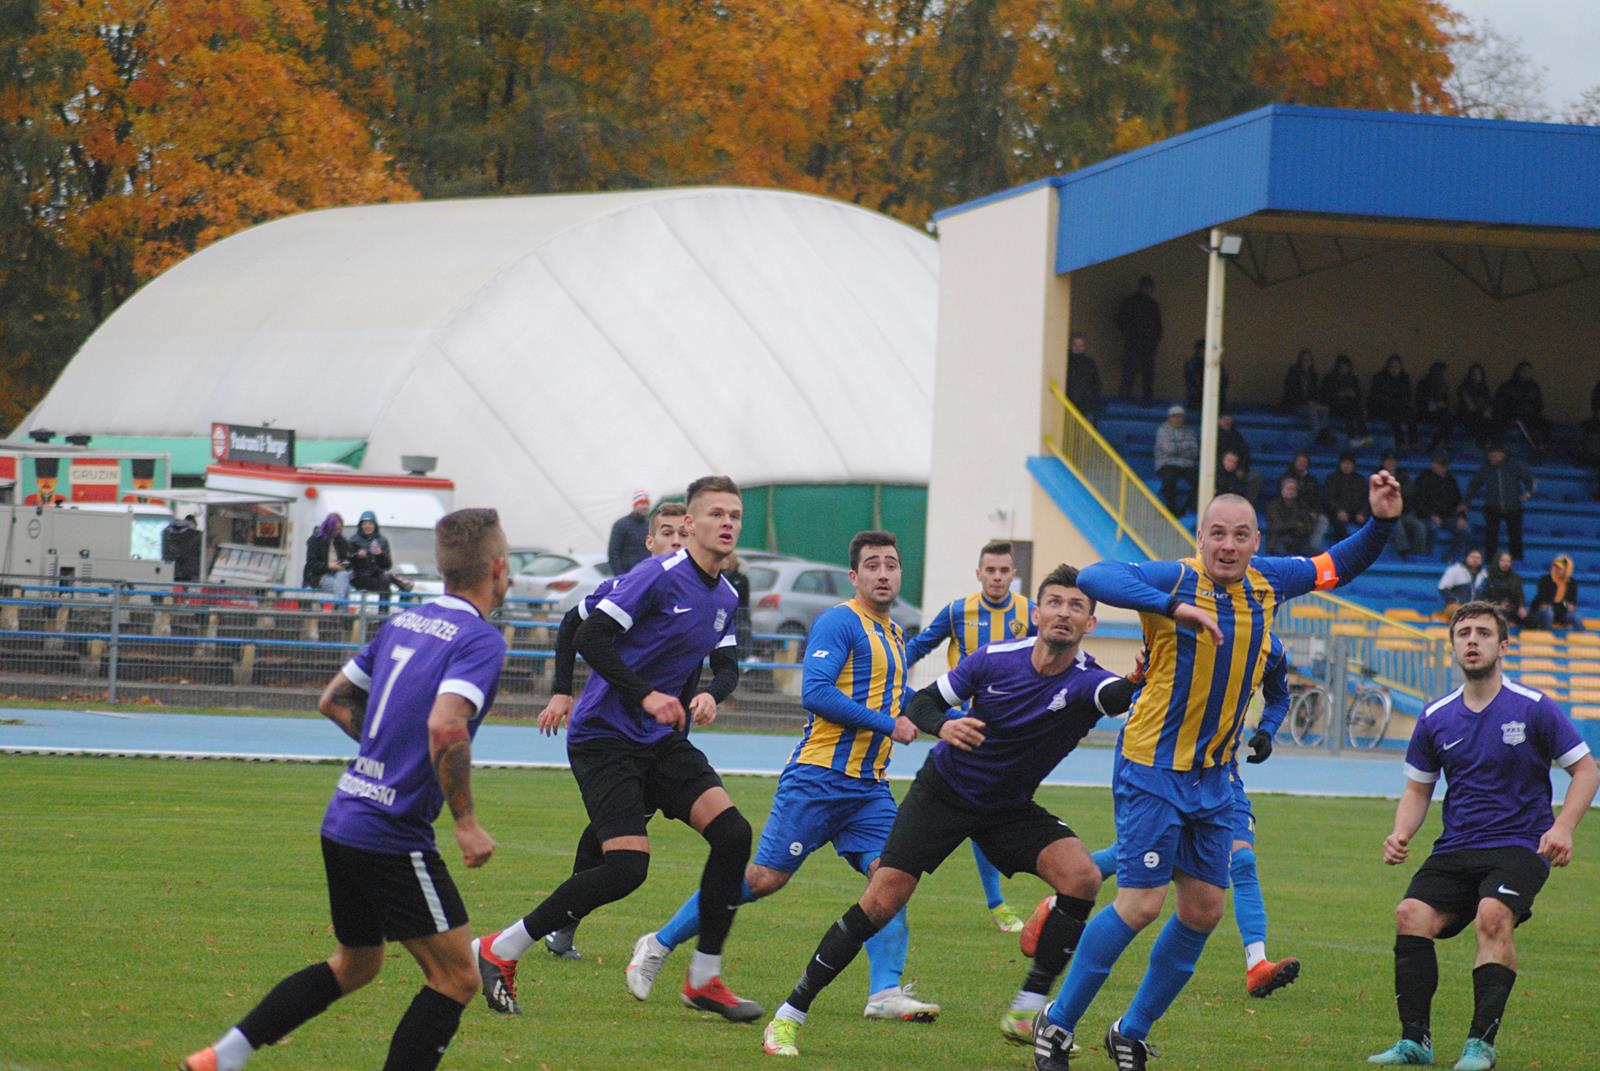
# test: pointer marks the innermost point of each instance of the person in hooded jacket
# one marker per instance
(371, 562)
(1555, 598)
(328, 558)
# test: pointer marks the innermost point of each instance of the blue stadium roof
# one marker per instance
(1329, 162)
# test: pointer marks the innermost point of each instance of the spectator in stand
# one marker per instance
(1345, 492)
(1300, 395)
(1084, 389)
(1519, 403)
(1177, 457)
(328, 559)
(180, 545)
(1289, 522)
(1231, 438)
(1555, 598)
(1391, 399)
(1433, 405)
(1194, 378)
(626, 547)
(370, 560)
(1506, 484)
(1463, 581)
(1504, 588)
(1311, 495)
(1438, 501)
(1139, 320)
(1475, 406)
(1233, 480)
(1410, 534)
(1341, 393)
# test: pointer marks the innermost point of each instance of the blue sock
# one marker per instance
(886, 954)
(989, 875)
(1249, 909)
(1103, 940)
(1106, 860)
(1172, 962)
(686, 923)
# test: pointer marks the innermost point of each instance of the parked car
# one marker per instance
(787, 595)
(563, 578)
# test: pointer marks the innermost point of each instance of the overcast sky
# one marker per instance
(1561, 35)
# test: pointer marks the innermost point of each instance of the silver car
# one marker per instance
(787, 595)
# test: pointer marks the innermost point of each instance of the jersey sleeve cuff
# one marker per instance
(1568, 758)
(1422, 777)
(583, 609)
(949, 693)
(1097, 690)
(357, 676)
(616, 613)
(465, 689)
(730, 640)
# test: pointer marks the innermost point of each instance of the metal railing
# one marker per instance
(1407, 659)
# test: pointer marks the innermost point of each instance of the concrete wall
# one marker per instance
(1407, 301)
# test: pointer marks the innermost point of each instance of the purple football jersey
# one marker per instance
(388, 797)
(1496, 765)
(673, 616)
(1030, 720)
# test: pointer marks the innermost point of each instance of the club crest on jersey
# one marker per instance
(1016, 628)
(1059, 700)
(722, 619)
(1514, 732)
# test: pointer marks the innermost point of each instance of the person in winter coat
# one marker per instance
(1519, 403)
(1475, 405)
(1433, 405)
(1341, 393)
(1555, 598)
(328, 558)
(1390, 399)
(1504, 588)
(1463, 581)
(371, 562)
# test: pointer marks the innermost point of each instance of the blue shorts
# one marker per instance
(1156, 835)
(1244, 816)
(814, 806)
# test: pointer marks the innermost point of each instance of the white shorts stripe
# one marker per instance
(429, 893)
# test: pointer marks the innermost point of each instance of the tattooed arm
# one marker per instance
(345, 704)
(450, 748)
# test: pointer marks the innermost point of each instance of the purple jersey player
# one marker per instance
(1032, 701)
(413, 699)
(1493, 740)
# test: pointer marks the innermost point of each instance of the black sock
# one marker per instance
(618, 875)
(1058, 939)
(839, 946)
(722, 881)
(424, 1032)
(589, 854)
(1491, 988)
(302, 996)
(1416, 976)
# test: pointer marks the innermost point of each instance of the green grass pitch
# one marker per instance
(148, 904)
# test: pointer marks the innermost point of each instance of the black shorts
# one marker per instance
(624, 784)
(1452, 883)
(386, 896)
(934, 820)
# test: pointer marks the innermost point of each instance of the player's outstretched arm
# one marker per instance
(1143, 586)
(1556, 844)
(450, 749)
(936, 632)
(345, 704)
(1408, 818)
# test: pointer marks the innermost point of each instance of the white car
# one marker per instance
(563, 579)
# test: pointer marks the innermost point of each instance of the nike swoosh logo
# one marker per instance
(995, 691)
(1508, 892)
(682, 609)
(1453, 743)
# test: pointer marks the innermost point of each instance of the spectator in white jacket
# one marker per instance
(1177, 457)
(1463, 581)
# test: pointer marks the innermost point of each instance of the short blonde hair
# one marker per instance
(465, 544)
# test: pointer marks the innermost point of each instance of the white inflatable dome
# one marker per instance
(553, 352)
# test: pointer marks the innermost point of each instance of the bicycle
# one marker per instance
(1366, 717)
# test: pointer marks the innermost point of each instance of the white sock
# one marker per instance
(232, 1050)
(1254, 952)
(703, 968)
(1028, 1002)
(883, 994)
(512, 942)
(790, 1012)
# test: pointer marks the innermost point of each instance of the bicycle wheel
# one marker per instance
(1368, 717)
(1308, 717)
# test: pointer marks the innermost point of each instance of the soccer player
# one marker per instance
(1032, 701)
(833, 789)
(668, 529)
(1494, 741)
(991, 614)
(434, 670)
(1207, 624)
(1262, 976)
(630, 753)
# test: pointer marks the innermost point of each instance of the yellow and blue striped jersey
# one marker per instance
(853, 688)
(969, 623)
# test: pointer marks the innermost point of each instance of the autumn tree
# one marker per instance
(1391, 55)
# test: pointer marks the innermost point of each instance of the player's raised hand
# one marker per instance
(963, 733)
(703, 708)
(553, 718)
(1192, 617)
(476, 844)
(664, 709)
(1556, 846)
(1141, 662)
(1395, 848)
(1383, 495)
(905, 730)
